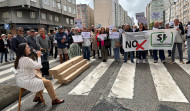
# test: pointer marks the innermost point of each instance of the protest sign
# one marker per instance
(114, 35)
(77, 38)
(140, 15)
(162, 39)
(135, 41)
(155, 15)
(102, 36)
(85, 34)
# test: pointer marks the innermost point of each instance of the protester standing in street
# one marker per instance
(11, 52)
(62, 39)
(3, 47)
(161, 52)
(18, 39)
(86, 46)
(178, 41)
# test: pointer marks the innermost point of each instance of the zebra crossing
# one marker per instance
(124, 83)
(123, 86)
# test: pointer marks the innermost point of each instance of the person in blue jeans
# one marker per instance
(128, 29)
(155, 52)
(86, 45)
(116, 49)
(3, 47)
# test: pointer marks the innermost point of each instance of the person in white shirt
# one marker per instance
(27, 77)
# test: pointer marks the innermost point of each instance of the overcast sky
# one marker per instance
(132, 6)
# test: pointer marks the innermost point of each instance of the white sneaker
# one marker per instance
(144, 62)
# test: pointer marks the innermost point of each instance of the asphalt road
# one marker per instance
(116, 86)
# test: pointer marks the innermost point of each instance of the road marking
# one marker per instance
(5, 66)
(166, 87)
(185, 67)
(123, 86)
(86, 85)
(16, 105)
(12, 75)
(5, 72)
(7, 78)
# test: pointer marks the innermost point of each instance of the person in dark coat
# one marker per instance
(31, 40)
(11, 52)
(3, 47)
(18, 39)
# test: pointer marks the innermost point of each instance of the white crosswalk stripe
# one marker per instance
(12, 75)
(123, 86)
(167, 89)
(86, 85)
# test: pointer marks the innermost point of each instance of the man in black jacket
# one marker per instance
(18, 39)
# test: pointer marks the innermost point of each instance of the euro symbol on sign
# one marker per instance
(161, 37)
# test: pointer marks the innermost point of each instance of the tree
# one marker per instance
(151, 25)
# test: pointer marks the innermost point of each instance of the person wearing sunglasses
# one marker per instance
(18, 39)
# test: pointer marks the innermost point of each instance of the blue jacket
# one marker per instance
(59, 37)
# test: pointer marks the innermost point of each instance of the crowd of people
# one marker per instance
(61, 42)
(44, 44)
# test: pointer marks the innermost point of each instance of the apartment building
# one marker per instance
(86, 14)
(37, 13)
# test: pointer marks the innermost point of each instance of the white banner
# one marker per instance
(85, 34)
(162, 39)
(156, 15)
(114, 35)
(77, 38)
(102, 36)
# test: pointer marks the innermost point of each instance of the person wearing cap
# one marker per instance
(31, 40)
(62, 39)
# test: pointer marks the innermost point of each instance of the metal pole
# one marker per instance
(170, 11)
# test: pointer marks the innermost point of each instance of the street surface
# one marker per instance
(115, 86)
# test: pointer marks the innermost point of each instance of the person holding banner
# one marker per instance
(131, 53)
(75, 49)
(141, 54)
(102, 38)
(161, 52)
(178, 41)
(115, 40)
(86, 44)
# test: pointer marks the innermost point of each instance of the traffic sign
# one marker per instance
(6, 26)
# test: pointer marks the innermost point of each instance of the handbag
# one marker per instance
(117, 44)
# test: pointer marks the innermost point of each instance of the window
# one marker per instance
(51, 17)
(32, 15)
(70, 9)
(46, 2)
(74, 11)
(43, 16)
(65, 7)
(69, 0)
(67, 20)
(19, 14)
(59, 5)
(71, 21)
(56, 18)
(5, 15)
(54, 3)
(73, 1)
(2, 0)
